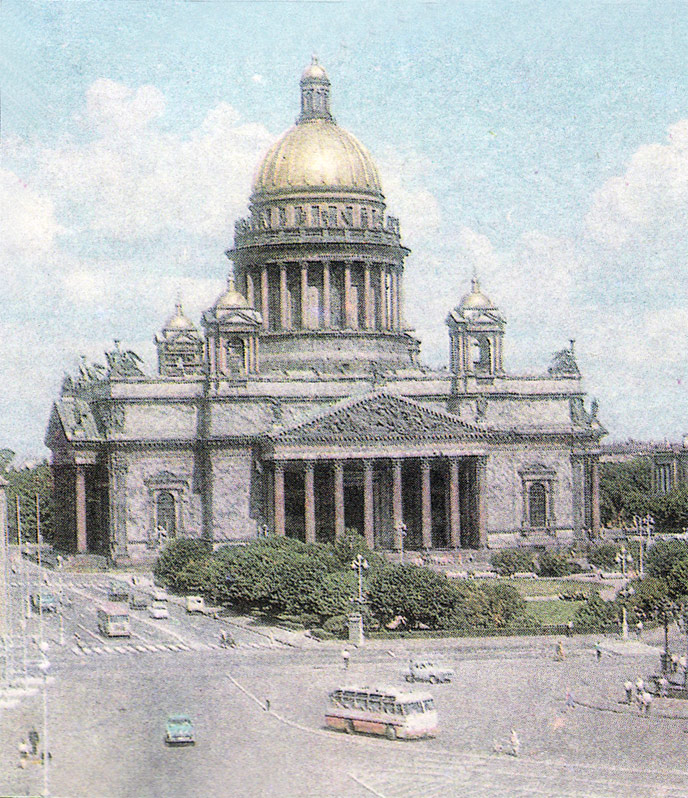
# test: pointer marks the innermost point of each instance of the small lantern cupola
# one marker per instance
(180, 346)
(231, 331)
(476, 332)
(315, 93)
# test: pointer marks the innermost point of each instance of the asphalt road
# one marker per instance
(109, 700)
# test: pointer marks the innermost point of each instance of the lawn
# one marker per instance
(552, 612)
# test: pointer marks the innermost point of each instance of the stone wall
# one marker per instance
(145, 473)
(505, 486)
(236, 489)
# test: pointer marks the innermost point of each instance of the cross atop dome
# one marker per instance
(315, 93)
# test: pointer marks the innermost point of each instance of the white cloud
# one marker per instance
(28, 227)
(405, 182)
(650, 200)
(131, 181)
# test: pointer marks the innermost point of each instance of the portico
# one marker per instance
(436, 500)
(381, 465)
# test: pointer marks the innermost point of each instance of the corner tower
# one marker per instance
(318, 257)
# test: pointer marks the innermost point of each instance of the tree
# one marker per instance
(552, 564)
(663, 555)
(27, 483)
(624, 490)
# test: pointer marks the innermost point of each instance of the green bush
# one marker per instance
(604, 556)
(510, 561)
(553, 564)
(176, 556)
(321, 634)
(337, 626)
(595, 613)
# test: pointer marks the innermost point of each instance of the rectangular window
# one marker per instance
(315, 216)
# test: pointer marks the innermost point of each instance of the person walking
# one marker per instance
(570, 703)
(345, 659)
(598, 652)
(646, 702)
(629, 688)
(515, 743)
(560, 656)
(663, 684)
(638, 629)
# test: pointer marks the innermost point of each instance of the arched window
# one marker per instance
(537, 505)
(482, 356)
(166, 512)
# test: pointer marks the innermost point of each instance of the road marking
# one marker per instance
(85, 650)
(140, 648)
(77, 650)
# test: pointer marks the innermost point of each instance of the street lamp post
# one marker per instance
(360, 564)
(401, 532)
(623, 558)
(44, 666)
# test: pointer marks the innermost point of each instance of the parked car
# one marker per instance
(158, 609)
(159, 594)
(117, 591)
(179, 730)
(195, 604)
(43, 601)
(138, 601)
(427, 671)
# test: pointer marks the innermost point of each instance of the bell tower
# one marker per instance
(476, 332)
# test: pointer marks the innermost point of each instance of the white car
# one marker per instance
(158, 609)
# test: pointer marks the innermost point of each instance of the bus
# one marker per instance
(113, 620)
(396, 713)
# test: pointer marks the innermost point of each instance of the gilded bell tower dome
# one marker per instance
(318, 256)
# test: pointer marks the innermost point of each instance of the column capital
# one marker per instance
(425, 463)
(278, 465)
(368, 465)
(308, 465)
(338, 465)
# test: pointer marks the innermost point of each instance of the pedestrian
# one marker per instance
(267, 704)
(569, 628)
(33, 741)
(515, 743)
(598, 651)
(646, 702)
(639, 686)
(560, 656)
(663, 684)
(345, 659)
(223, 638)
(23, 749)
(570, 703)
(638, 629)
(628, 687)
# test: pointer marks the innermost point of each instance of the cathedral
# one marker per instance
(300, 405)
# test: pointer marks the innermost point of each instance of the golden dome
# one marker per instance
(315, 153)
(476, 299)
(231, 297)
(179, 321)
(314, 71)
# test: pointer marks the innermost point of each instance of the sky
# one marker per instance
(542, 144)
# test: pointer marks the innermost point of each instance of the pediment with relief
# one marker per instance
(377, 417)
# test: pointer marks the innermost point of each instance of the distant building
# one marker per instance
(670, 461)
(301, 407)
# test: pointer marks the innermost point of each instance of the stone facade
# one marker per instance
(300, 406)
